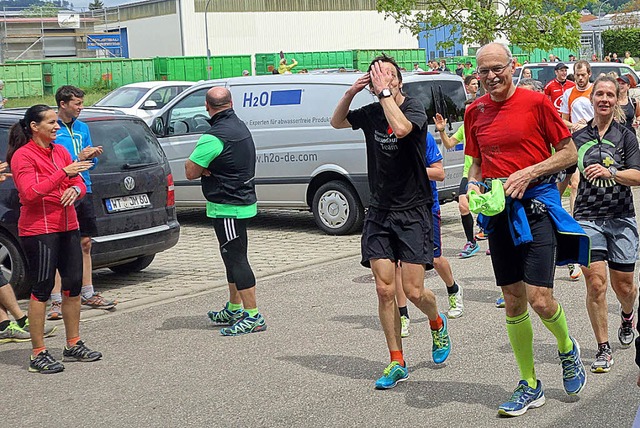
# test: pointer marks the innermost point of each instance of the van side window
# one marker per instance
(446, 97)
(189, 116)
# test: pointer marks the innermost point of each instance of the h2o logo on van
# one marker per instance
(272, 98)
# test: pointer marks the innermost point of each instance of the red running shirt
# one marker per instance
(514, 134)
(555, 89)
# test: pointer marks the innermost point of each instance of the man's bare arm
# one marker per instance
(339, 117)
(193, 171)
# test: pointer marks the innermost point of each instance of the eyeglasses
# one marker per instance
(497, 70)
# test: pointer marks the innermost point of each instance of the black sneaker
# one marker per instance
(44, 363)
(626, 334)
(80, 352)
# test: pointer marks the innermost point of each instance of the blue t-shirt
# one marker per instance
(432, 156)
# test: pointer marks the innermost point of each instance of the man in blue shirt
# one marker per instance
(75, 137)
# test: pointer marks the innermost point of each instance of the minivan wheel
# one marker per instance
(134, 266)
(337, 209)
(12, 266)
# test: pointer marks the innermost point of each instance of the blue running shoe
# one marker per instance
(441, 342)
(523, 399)
(500, 301)
(246, 324)
(574, 377)
(393, 374)
(225, 316)
(469, 249)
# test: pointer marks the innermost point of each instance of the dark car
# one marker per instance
(133, 197)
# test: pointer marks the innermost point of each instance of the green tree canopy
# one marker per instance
(41, 10)
(96, 5)
(530, 24)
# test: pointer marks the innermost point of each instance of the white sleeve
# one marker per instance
(564, 105)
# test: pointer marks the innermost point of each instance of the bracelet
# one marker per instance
(479, 184)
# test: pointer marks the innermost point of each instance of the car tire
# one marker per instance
(13, 266)
(337, 209)
(134, 266)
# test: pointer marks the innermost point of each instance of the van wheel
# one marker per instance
(12, 266)
(135, 266)
(337, 209)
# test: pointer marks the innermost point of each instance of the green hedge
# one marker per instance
(621, 40)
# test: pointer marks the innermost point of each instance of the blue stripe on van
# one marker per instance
(459, 147)
(285, 98)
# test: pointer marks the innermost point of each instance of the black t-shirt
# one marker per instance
(603, 198)
(396, 166)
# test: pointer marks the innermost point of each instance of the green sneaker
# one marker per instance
(49, 330)
(13, 333)
(404, 329)
(225, 316)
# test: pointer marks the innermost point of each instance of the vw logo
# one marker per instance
(129, 183)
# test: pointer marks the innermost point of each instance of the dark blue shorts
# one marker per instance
(437, 235)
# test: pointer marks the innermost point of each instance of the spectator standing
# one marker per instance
(284, 68)
(630, 106)
(628, 59)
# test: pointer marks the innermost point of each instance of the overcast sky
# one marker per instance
(84, 3)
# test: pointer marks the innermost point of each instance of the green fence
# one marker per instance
(108, 73)
(537, 55)
(22, 80)
(404, 57)
(194, 68)
(266, 62)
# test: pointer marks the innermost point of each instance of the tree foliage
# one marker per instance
(41, 10)
(530, 24)
(620, 40)
(96, 5)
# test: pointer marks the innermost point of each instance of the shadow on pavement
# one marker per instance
(17, 357)
(190, 322)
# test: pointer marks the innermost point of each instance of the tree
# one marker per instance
(96, 5)
(529, 24)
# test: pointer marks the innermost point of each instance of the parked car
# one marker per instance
(302, 162)
(133, 198)
(544, 71)
(143, 99)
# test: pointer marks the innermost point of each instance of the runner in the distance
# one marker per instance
(398, 222)
(524, 237)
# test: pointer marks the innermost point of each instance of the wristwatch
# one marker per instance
(77, 189)
(385, 93)
(613, 171)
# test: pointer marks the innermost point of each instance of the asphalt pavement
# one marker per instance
(165, 365)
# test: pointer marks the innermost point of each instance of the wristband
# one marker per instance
(479, 184)
(77, 189)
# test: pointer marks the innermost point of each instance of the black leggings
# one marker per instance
(48, 252)
(232, 236)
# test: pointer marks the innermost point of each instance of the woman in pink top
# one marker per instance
(48, 184)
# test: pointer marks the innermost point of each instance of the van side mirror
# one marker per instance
(149, 105)
(158, 127)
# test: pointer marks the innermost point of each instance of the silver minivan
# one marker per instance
(302, 162)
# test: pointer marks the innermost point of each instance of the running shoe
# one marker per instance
(55, 311)
(574, 272)
(246, 324)
(80, 352)
(500, 301)
(456, 305)
(626, 334)
(404, 326)
(603, 361)
(393, 374)
(481, 236)
(225, 316)
(13, 333)
(523, 399)
(573, 376)
(44, 363)
(98, 302)
(469, 249)
(48, 329)
(441, 342)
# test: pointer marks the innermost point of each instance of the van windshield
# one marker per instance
(128, 144)
(446, 97)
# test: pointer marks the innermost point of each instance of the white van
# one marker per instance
(302, 162)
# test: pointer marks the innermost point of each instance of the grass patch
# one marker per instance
(90, 98)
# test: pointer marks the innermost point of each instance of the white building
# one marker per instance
(242, 27)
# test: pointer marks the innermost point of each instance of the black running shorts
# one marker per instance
(534, 263)
(86, 216)
(405, 235)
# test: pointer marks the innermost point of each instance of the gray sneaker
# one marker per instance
(49, 330)
(13, 333)
(603, 361)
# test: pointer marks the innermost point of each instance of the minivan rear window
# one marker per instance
(446, 97)
(127, 144)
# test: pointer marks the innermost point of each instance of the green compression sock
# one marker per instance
(234, 306)
(252, 312)
(558, 326)
(520, 333)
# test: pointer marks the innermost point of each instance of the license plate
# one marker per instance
(125, 203)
